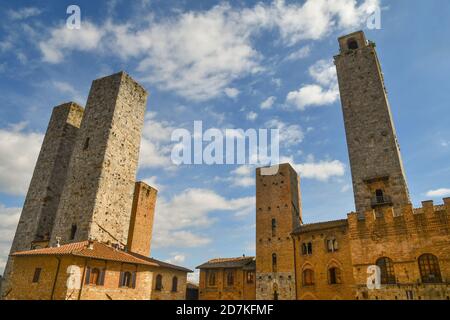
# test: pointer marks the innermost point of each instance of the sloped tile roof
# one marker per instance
(81, 249)
(320, 226)
(161, 264)
(239, 262)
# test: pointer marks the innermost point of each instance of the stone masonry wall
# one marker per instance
(97, 197)
(371, 138)
(43, 196)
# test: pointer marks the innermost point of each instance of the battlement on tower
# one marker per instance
(384, 222)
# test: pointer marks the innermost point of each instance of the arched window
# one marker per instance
(174, 284)
(94, 276)
(274, 227)
(158, 284)
(352, 44)
(387, 270)
(274, 262)
(230, 278)
(332, 245)
(379, 195)
(211, 278)
(308, 277)
(334, 275)
(429, 268)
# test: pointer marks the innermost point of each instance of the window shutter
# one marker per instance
(335, 245)
(88, 275)
(101, 280)
(133, 280)
(121, 278)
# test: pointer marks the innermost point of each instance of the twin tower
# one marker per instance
(83, 186)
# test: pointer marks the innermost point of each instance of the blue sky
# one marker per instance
(242, 64)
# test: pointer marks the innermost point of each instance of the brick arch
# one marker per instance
(308, 296)
(307, 265)
(334, 263)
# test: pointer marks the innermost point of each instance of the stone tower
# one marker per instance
(376, 166)
(141, 224)
(278, 212)
(41, 203)
(97, 199)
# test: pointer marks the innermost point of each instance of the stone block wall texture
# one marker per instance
(241, 289)
(320, 262)
(166, 292)
(403, 239)
(277, 202)
(97, 198)
(52, 284)
(371, 138)
(141, 224)
(44, 192)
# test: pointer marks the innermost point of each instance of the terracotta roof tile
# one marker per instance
(81, 249)
(237, 262)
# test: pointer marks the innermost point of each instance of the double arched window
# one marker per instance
(387, 270)
(429, 268)
(308, 277)
(332, 244)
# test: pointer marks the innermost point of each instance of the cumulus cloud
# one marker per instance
(290, 135)
(177, 258)
(252, 116)
(156, 144)
(198, 54)
(231, 92)
(301, 53)
(268, 103)
(442, 192)
(324, 92)
(178, 221)
(319, 170)
(24, 13)
(19, 152)
(9, 217)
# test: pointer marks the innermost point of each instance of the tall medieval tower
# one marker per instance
(376, 166)
(97, 198)
(278, 212)
(50, 173)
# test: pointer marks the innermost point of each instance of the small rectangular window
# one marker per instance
(37, 275)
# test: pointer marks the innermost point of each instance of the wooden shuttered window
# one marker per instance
(87, 278)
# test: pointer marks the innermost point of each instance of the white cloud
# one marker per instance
(180, 220)
(9, 217)
(199, 54)
(252, 116)
(320, 170)
(231, 92)
(177, 258)
(289, 134)
(19, 152)
(24, 13)
(268, 103)
(301, 53)
(442, 192)
(325, 92)
(445, 143)
(243, 176)
(63, 39)
(194, 277)
(156, 143)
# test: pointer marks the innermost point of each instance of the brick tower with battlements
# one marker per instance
(96, 202)
(376, 165)
(278, 212)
